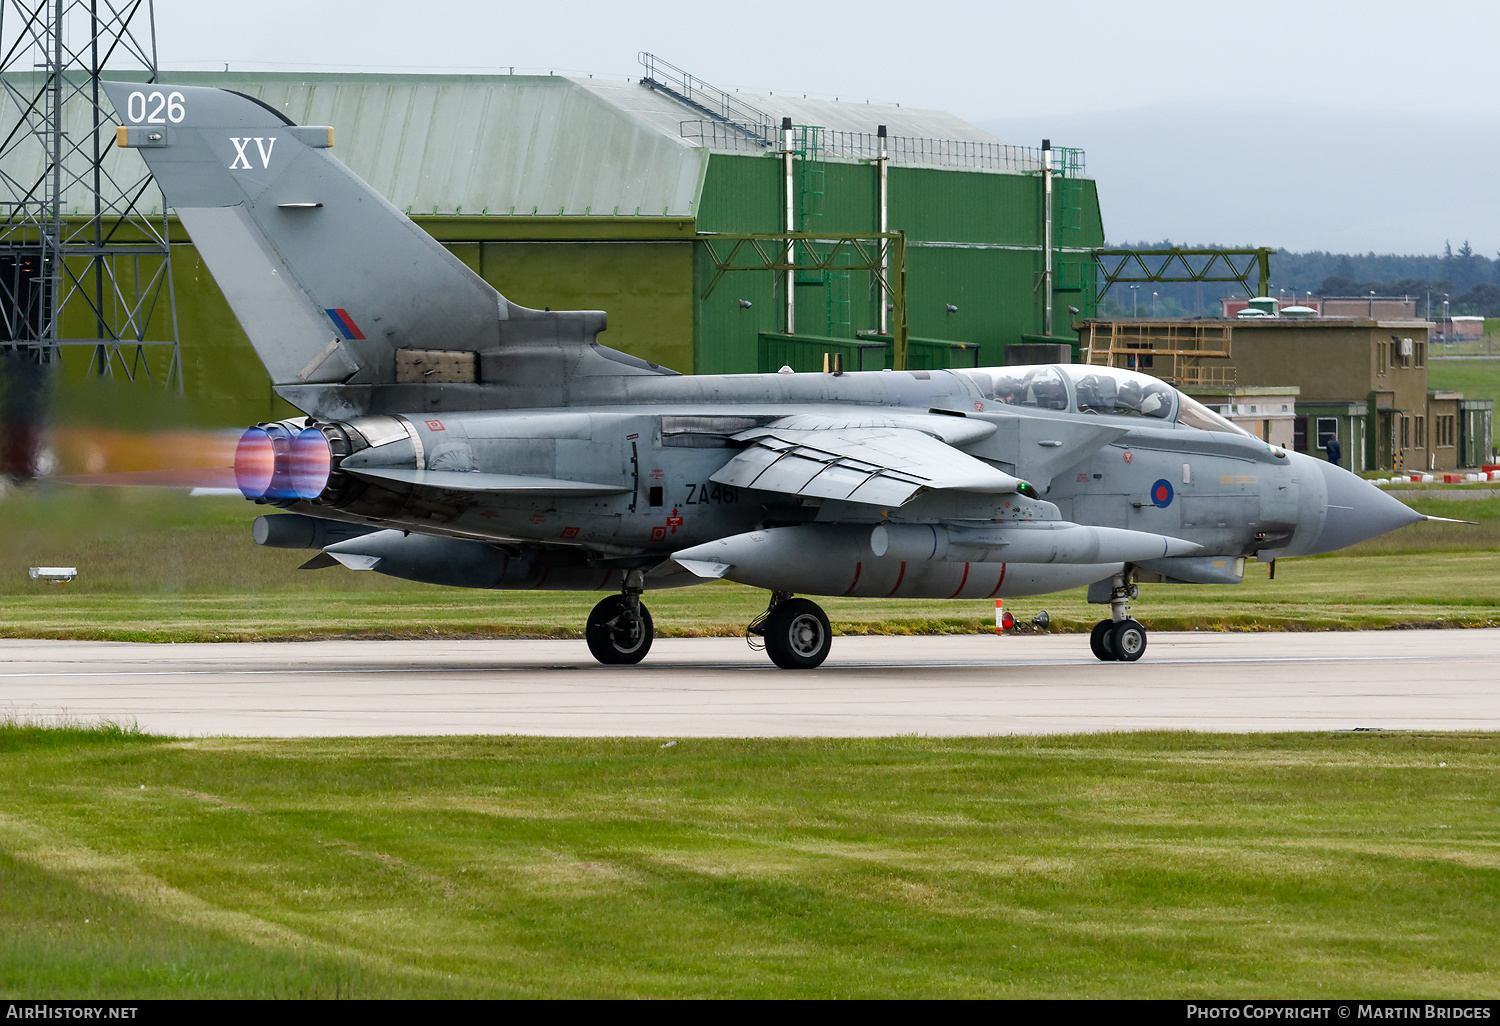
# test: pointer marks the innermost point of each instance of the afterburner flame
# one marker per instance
(274, 461)
(254, 463)
(311, 463)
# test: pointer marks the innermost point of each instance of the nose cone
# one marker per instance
(1357, 510)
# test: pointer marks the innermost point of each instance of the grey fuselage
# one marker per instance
(1233, 494)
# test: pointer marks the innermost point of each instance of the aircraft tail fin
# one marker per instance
(331, 282)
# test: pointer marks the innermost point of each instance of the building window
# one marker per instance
(1328, 427)
(1406, 432)
(1421, 432)
(1141, 362)
(1382, 358)
(1299, 434)
(1444, 431)
(1421, 354)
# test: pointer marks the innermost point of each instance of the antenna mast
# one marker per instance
(84, 243)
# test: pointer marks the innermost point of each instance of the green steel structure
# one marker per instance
(581, 193)
(1179, 263)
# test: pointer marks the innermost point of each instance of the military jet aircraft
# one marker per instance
(455, 438)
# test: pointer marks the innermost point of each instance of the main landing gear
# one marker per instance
(619, 630)
(1119, 639)
(796, 632)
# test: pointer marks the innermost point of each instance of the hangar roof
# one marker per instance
(552, 145)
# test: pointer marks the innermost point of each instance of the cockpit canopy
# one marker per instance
(1109, 391)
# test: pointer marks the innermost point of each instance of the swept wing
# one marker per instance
(880, 462)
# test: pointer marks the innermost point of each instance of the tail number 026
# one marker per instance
(150, 108)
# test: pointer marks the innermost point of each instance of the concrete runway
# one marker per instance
(977, 684)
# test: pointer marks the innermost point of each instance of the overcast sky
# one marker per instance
(1424, 67)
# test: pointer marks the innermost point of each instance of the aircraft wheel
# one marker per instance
(797, 635)
(612, 636)
(1128, 640)
(1100, 640)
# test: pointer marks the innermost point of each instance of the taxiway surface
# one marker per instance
(954, 685)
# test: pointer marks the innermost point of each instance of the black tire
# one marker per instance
(1101, 638)
(797, 635)
(612, 638)
(1128, 640)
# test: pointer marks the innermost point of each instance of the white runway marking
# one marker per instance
(951, 685)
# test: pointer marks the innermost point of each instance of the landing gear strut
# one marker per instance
(1119, 639)
(619, 630)
(797, 633)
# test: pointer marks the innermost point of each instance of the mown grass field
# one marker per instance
(1476, 379)
(1141, 865)
(159, 566)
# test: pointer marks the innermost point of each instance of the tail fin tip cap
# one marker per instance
(318, 137)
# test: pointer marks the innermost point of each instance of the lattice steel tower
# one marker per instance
(84, 243)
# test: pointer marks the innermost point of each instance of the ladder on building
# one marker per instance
(1075, 270)
(812, 176)
(708, 100)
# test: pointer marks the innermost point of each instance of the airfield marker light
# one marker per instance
(1008, 621)
(311, 463)
(254, 463)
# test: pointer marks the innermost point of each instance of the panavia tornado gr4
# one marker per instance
(455, 438)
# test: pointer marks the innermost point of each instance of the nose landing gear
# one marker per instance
(1119, 639)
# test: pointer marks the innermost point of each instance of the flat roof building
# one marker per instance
(1361, 380)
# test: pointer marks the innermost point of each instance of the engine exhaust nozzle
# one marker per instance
(282, 462)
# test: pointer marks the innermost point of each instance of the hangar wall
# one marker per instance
(974, 242)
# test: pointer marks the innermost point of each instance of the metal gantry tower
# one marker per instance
(84, 240)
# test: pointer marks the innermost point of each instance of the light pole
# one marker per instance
(1153, 305)
(1372, 306)
(1135, 308)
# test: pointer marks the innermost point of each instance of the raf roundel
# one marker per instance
(1161, 493)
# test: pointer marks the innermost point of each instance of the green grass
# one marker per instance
(160, 566)
(1143, 865)
(1476, 379)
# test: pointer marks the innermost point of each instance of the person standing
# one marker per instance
(1333, 449)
